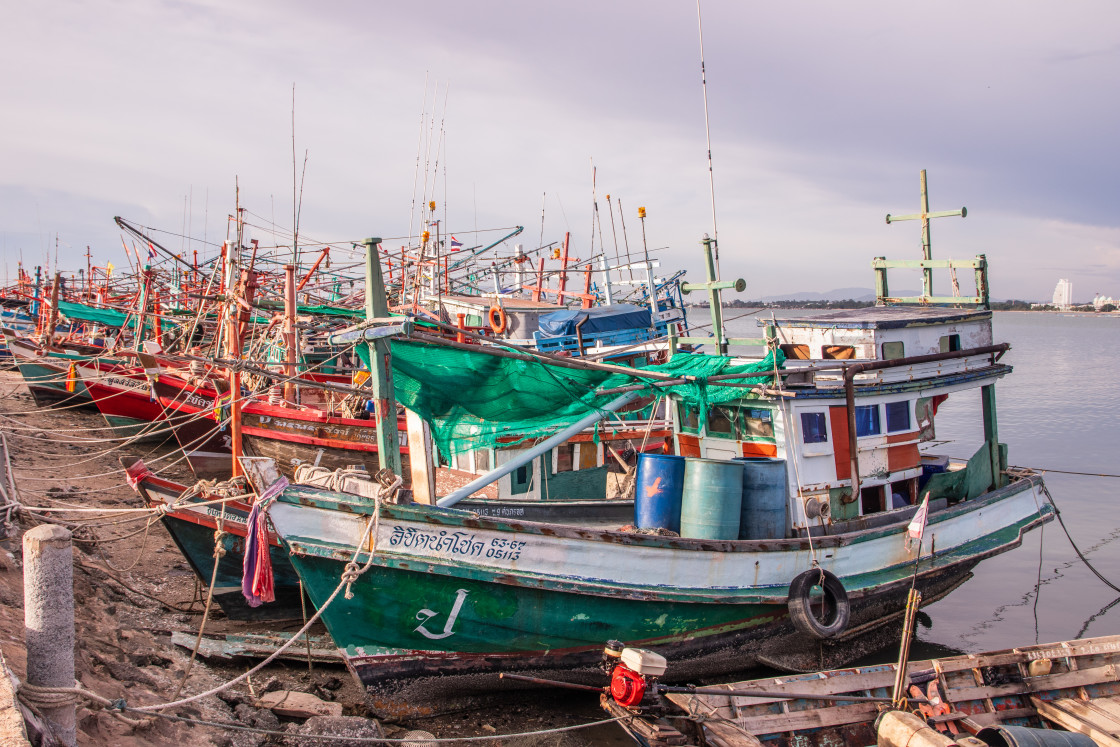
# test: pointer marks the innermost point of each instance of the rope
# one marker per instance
(1076, 549)
(351, 574)
(219, 551)
(36, 698)
(368, 740)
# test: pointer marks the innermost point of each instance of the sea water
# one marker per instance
(1058, 412)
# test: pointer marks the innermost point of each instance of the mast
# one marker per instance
(291, 335)
(380, 364)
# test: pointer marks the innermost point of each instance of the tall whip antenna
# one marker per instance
(708, 135)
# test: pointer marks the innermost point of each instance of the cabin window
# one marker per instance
(903, 493)
(838, 352)
(950, 343)
(564, 457)
(482, 460)
(796, 352)
(867, 420)
(689, 419)
(721, 422)
(757, 423)
(872, 499)
(520, 479)
(814, 429)
(893, 350)
(898, 417)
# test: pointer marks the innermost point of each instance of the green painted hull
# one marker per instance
(47, 385)
(414, 615)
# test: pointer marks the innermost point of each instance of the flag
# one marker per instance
(109, 269)
(917, 527)
(456, 245)
(151, 252)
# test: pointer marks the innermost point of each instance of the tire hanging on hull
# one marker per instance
(837, 610)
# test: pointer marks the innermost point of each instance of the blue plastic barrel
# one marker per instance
(765, 494)
(712, 499)
(657, 492)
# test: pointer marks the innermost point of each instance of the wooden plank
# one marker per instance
(659, 733)
(295, 704)
(1077, 716)
(1087, 647)
(810, 719)
(998, 717)
(1091, 676)
(1111, 706)
(230, 647)
(726, 734)
(839, 683)
(421, 461)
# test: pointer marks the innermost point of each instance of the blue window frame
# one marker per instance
(867, 420)
(898, 417)
(814, 429)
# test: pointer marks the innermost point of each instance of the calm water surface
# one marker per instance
(1058, 410)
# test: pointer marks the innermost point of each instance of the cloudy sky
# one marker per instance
(822, 116)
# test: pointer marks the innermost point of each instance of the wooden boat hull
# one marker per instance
(192, 529)
(46, 375)
(995, 688)
(123, 396)
(294, 437)
(207, 445)
(450, 592)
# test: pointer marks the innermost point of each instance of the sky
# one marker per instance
(821, 116)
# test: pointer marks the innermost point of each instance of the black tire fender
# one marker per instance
(838, 610)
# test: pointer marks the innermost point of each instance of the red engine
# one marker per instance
(627, 686)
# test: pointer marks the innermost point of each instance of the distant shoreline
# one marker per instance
(1011, 306)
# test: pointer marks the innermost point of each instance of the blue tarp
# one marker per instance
(600, 319)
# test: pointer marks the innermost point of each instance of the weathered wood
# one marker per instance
(295, 704)
(657, 733)
(1092, 675)
(1080, 716)
(813, 718)
(421, 461)
(230, 647)
(834, 685)
(726, 734)
(991, 719)
(1094, 646)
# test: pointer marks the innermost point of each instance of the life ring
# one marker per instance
(498, 319)
(835, 604)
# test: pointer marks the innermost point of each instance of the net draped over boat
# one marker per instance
(473, 400)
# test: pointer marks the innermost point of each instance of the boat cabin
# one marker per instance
(892, 366)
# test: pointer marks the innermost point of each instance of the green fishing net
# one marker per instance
(473, 400)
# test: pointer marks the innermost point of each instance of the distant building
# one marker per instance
(1101, 300)
(1063, 294)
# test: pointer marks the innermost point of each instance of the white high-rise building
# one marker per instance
(1063, 294)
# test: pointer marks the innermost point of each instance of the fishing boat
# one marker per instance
(198, 529)
(50, 372)
(1065, 693)
(823, 450)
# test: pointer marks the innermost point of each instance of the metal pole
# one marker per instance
(48, 614)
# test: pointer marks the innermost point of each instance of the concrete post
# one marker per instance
(48, 604)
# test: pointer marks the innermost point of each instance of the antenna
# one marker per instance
(708, 135)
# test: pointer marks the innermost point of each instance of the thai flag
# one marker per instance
(456, 245)
(151, 252)
(917, 526)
